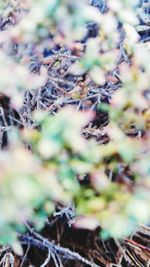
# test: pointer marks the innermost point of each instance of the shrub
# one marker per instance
(48, 62)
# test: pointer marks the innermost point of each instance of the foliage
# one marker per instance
(47, 161)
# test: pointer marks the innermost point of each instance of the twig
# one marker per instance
(135, 244)
(24, 257)
(7, 259)
(57, 260)
(43, 243)
(47, 259)
(68, 211)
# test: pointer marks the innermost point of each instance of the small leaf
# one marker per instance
(17, 248)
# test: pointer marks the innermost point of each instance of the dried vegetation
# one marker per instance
(74, 133)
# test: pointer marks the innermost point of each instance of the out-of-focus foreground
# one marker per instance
(74, 133)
